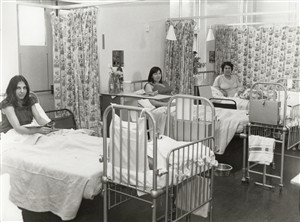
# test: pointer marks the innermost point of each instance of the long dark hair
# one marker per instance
(11, 91)
(226, 64)
(153, 70)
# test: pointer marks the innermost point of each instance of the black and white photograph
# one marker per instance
(150, 111)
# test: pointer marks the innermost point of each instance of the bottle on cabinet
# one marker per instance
(111, 87)
(121, 78)
(115, 82)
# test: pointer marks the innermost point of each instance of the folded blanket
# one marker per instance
(261, 149)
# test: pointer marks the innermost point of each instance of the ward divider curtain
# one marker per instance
(75, 66)
(259, 53)
(179, 56)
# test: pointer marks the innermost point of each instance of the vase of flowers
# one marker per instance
(115, 82)
(197, 65)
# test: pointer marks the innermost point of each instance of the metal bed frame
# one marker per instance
(117, 190)
(293, 139)
(278, 132)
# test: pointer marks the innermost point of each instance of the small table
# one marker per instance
(296, 181)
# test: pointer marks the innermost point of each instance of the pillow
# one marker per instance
(42, 112)
(123, 132)
(139, 92)
(146, 104)
(216, 93)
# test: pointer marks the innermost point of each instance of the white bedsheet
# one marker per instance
(241, 104)
(228, 123)
(55, 173)
(293, 98)
(164, 145)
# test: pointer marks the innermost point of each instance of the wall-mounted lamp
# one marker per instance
(210, 35)
(171, 34)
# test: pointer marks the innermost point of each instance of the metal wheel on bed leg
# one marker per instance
(273, 165)
(280, 188)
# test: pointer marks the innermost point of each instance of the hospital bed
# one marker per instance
(62, 118)
(219, 100)
(53, 173)
(271, 117)
(155, 170)
(292, 110)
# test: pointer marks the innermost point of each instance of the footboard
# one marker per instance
(189, 186)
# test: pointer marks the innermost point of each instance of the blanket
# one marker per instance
(228, 123)
(261, 149)
(53, 173)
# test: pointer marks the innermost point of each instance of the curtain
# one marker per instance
(265, 53)
(179, 57)
(75, 66)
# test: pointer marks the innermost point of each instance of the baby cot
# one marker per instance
(271, 117)
(230, 126)
(155, 169)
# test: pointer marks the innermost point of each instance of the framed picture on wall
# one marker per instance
(211, 55)
(118, 58)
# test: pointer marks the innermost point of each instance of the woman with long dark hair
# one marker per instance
(156, 85)
(18, 108)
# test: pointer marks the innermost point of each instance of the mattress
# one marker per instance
(53, 172)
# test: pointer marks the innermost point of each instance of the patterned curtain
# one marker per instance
(266, 53)
(179, 57)
(75, 66)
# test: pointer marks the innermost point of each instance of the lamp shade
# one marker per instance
(210, 35)
(171, 34)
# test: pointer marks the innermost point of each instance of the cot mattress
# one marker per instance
(54, 172)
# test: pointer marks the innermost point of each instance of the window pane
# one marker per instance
(32, 26)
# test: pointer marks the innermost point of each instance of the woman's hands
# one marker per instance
(224, 92)
(45, 130)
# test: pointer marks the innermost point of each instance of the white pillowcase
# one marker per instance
(216, 92)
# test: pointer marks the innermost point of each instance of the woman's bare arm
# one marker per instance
(12, 118)
(40, 120)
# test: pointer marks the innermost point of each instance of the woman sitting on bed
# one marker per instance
(18, 108)
(227, 83)
(155, 86)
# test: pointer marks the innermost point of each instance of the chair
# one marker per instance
(206, 92)
(63, 118)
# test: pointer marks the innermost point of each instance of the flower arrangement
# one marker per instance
(116, 80)
(197, 64)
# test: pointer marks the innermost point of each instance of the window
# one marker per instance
(32, 29)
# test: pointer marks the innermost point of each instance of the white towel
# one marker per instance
(261, 149)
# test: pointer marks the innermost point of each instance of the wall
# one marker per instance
(125, 28)
(9, 52)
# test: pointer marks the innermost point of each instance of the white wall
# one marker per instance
(9, 51)
(125, 28)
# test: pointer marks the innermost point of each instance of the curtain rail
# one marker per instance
(75, 6)
(233, 15)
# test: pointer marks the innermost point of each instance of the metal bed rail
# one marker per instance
(293, 139)
(275, 129)
(124, 180)
(204, 78)
(190, 118)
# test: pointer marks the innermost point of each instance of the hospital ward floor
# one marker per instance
(234, 201)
